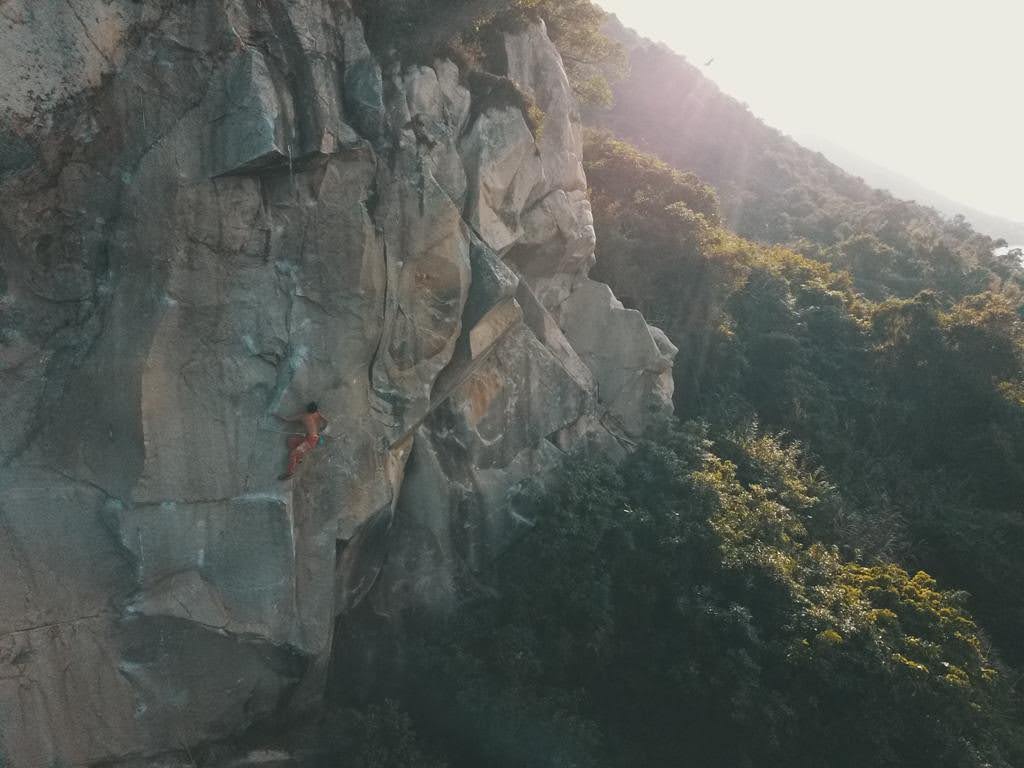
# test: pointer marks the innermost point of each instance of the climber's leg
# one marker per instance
(294, 441)
(298, 453)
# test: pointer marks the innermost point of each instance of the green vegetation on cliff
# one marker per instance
(913, 406)
(677, 610)
(470, 31)
(819, 564)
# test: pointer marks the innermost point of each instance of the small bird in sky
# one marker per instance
(708, 62)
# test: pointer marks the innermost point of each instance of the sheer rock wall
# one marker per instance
(214, 212)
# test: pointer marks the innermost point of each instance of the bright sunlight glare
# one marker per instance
(934, 91)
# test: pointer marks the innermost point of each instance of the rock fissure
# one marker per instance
(441, 399)
(56, 625)
(88, 35)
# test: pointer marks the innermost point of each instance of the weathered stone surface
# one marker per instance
(493, 283)
(512, 400)
(534, 64)
(455, 98)
(545, 327)
(559, 234)
(16, 154)
(452, 519)
(633, 371)
(239, 681)
(505, 173)
(250, 134)
(428, 277)
(363, 84)
(61, 50)
(64, 694)
(238, 559)
(214, 213)
(500, 433)
(431, 118)
(493, 326)
(556, 251)
(63, 574)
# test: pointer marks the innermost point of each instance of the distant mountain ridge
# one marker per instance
(904, 187)
(774, 190)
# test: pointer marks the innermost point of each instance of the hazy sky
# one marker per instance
(932, 89)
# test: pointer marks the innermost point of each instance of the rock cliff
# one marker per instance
(214, 212)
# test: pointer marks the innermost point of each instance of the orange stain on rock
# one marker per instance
(481, 389)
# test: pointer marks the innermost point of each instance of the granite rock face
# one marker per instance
(213, 213)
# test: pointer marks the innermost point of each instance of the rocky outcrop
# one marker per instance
(212, 214)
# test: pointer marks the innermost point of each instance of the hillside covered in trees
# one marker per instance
(818, 562)
(773, 190)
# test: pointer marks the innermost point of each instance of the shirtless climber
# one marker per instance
(298, 447)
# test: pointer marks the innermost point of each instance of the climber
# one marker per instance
(298, 446)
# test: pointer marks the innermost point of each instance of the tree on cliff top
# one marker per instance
(591, 58)
(421, 29)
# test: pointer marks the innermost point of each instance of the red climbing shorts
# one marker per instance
(300, 446)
